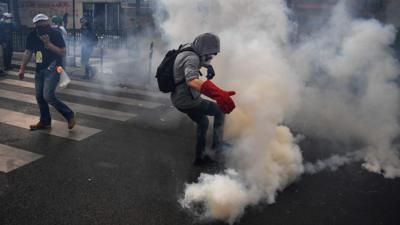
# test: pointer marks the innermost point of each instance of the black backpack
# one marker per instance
(165, 71)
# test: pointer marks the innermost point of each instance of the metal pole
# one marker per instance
(101, 53)
(150, 59)
(74, 30)
(138, 4)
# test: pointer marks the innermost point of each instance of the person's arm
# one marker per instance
(25, 60)
(47, 44)
(195, 83)
(208, 88)
(191, 66)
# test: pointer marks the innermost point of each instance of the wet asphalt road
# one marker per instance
(134, 171)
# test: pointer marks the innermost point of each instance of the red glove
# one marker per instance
(222, 97)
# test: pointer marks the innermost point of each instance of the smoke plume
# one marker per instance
(333, 83)
(348, 70)
(332, 163)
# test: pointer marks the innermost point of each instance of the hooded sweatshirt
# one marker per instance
(187, 67)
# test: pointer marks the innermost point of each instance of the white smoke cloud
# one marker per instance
(223, 196)
(347, 68)
(333, 84)
(332, 163)
(260, 174)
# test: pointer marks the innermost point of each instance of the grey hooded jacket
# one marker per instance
(187, 67)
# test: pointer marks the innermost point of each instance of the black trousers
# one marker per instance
(1, 58)
(7, 54)
(199, 115)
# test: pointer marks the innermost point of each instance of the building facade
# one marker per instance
(4, 6)
(108, 15)
(125, 14)
(386, 11)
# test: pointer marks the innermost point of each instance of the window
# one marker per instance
(106, 16)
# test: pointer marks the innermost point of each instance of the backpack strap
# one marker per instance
(187, 49)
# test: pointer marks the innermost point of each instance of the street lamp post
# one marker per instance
(138, 3)
(74, 30)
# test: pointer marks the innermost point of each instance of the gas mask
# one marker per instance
(42, 29)
(206, 62)
(206, 59)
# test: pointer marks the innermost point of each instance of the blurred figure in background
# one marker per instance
(132, 41)
(65, 20)
(1, 60)
(56, 23)
(6, 30)
(397, 43)
(88, 42)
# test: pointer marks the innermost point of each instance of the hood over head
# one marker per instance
(206, 44)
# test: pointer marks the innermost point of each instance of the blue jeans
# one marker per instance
(86, 53)
(199, 115)
(45, 86)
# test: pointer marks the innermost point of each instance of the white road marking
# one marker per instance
(85, 109)
(92, 95)
(59, 128)
(106, 87)
(12, 158)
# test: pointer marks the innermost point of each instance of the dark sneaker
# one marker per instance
(40, 126)
(71, 122)
(223, 147)
(206, 160)
(92, 73)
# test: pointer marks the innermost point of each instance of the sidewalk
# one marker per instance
(130, 77)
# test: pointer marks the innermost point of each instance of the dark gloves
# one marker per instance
(222, 97)
(210, 72)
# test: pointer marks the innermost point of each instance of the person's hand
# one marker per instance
(46, 40)
(222, 97)
(21, 74)
(225, 102)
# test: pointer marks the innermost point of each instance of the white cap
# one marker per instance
(8, 15)
(39, 17)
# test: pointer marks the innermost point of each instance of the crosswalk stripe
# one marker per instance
(92, 95)
(118, 89)
(12, 158)
(58, 128)
(85, 109)
(106, 87)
